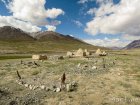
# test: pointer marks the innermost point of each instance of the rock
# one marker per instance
(87, 52)
(60, 58)
(39, 57)
(47, 89)
(119, 74)
(79, 65)
(113, 63)
(26, 85)
(85, 65)
(30, 87)
(57, 90)
(69, 54)
(20, 82)
(42, 87)
(98, 52)
(53, 87)
(80, 53)
(94, 67)
(69, 87)
(74, 83)
(34, 87)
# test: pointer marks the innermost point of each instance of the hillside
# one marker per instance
(14, 40)
(133, 45)
(54, 36)
(11, 33)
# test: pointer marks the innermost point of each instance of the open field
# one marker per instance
(116, 83)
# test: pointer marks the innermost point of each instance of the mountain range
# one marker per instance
(15, 39)
(133, 45)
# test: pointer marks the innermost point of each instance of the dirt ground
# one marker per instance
(112, 81)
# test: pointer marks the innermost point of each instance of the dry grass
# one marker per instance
(113, 85)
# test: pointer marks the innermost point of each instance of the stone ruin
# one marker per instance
(85, 53)
(39, 57)
(79, 53)
(53, 87)
(100, 53)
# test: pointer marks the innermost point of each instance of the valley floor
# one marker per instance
(116, 81)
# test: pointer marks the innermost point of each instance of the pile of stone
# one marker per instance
(68, 87)
(79, 53)
(100, 53)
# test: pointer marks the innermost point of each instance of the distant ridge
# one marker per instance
(133, 45)
(54, 36)
(19, 41)
(11, 33)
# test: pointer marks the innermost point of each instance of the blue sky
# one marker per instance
(106, 23)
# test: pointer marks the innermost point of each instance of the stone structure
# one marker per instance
(80, 53)
(39, 57)
(100, 53)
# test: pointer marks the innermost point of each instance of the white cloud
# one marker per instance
(123, 18)
(33, 11)
(29, 14)
(11, 21)
(85, 1)
(106, 42)
(82, 1)
(78, 23)
(50, 28)
(130, 37)
(54, 12)
(103, 1)
(91, 11)
(55, 22)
